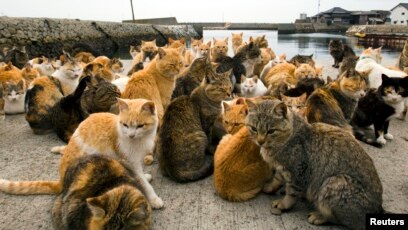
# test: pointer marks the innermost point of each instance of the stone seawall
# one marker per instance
(47, 36)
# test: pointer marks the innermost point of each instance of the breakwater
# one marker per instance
(47, 36)
(390, 36)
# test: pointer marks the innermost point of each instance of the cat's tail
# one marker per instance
(76, 95)
(30, 187)
(361, 136)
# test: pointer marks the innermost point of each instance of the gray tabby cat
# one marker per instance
(320, 162)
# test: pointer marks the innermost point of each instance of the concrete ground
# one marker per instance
(25, 156)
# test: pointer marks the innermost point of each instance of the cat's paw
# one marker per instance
(388, 136)
(157, 203)
(58, 149)
(285, 203)
(381, 140)
(148, 177)
(316, 218)
(148, 159)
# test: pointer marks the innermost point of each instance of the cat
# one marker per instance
(277, 60)
(98, 69)
(147, 54)
(260, 41)
(29, 73)
(44, 92)
(299, 59)
(237, 41)
(218, 49)
(307, 71)
(115, 64)
(242, 63)
(92, 95)
(191, 77)
(378, 107)
(110, 200)
(336, 51)
(305, 85)
(296, 104)
(183, 146)
(284, 72)
(335, 103)
(204, 50)
(369, 63)
(134, 51)
(349, 62)
(157, 81)
(403, 58)
(13, 95)
(174, 43)
(10, 73)
(240, 173)
(252, 86)
(267, 55)
(17, 55)
(319, 162)
(192, 53)
(44, 66)
(85, 57)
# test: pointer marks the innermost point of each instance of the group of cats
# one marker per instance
(288, 129)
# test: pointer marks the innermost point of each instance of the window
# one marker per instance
(395, 22)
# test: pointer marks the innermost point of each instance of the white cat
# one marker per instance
(68, 74)
(121, 83)
(252, 86)
(14, 95)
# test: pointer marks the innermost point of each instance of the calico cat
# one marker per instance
(299, 59)
(92, 95)
(147, 54)
(252, 86)
(191, 77)
(336, 103)
(29, 73)
(17, 55)
(267, 55)
(184, 138)
(240, 173)
(378, 107)
(296, 104)
(157, 81)
(219, 49)
(192, 54)
(110, 200)
(13, 95)
(237, 41)
(403, 58)
(319, 162)
(242, 63)
(44, 92)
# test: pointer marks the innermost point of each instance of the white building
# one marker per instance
(399, 14)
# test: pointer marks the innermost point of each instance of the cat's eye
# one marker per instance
(125, 125)
(271, 131)
(253, 129)
(140, 126)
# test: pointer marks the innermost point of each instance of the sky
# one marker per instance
(258, 11)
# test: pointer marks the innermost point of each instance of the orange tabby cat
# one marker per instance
(204, 50)
(148, 51)
(177, 43)
(239, 170)
(192, 54)
(114, 64)
(237, 41)
(284, 72)
(29, 74)
(157, 81)
(127, 136)
(219, 48)
(306, 71)
(10, 73)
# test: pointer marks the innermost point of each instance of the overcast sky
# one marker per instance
(184, 10)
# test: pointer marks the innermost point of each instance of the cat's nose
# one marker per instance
(260, 140)
(132, 135)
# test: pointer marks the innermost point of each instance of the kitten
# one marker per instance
(403, 58)
(147, 54)
(183, 138)
(378, 107)
(336, 103)
(267, 55)
(13, 95)
(110, 200)
(29, 73)
(315, 161)
(240, 173)
(296, 104)
(17, 55)
(242, 63)
(219, 49)
(204, 50)
(252, 86)
(191, 55)
(236, 41)
(299, 59)
(157, 81)
(191, 77)
(336, 51)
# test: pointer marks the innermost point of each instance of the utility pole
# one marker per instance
(133, 14)
(318, 6)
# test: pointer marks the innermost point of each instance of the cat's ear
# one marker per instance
(255, 78)
(96, 207)
(225, 106)
(243, 78)
(27, 66)
(122, 104)
(384, 78)
(170, 40)
(281, 110)
(161, 52)
(21, 84)
(149, 107)
(240, 101)
(202, 40)
(209, 43)
(251, 104)
(242, 33)
(282, 57)
(303, 97)
(214, 40)
(183, 40)
(251, 39)
(226, 40)
(379, 49)
(311, 55)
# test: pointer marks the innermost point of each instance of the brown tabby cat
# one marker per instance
(183, 139)
(299, 59)
(261, 41)
(239, 170)
(219, 49)
(296, 104)
(157, 81)
(335, 103)
(320, 162)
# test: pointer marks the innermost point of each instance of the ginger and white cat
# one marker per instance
(252, 86)
(204, 50)
(192, 54)
(13, 95)
(68, 75)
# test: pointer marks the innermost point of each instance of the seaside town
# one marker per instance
(158, 123)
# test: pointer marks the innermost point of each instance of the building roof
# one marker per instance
(363, 13)
(334, 10)
(405, 5)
